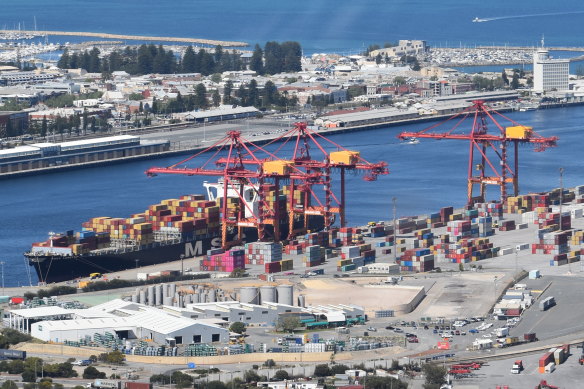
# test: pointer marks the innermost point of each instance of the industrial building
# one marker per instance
(43, 155)
(549, 74)
(223, 112)
(125, 319)
(232, 311)
(269, 313)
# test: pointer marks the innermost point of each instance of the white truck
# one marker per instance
(502, 332)
(105, 384)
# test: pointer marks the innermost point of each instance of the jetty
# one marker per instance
(102, 35)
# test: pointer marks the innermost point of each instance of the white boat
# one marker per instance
(478, 20)
(413, 141)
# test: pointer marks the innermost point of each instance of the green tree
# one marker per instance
(136, 96)
(257, 60)
(281, 375)
(216, 385)
(251, 376)
(237, 273)
(339, 369)
(434, 376)
(182, 380)
(322, 370)
(504, 77)
(29, 376)
(16, 367)
(216, 98)
(94, 61)
(201, 96)
(269, 363)
(145, 59)
(378, 58)
(9, 384)
(216, 78)
(64, 60)
(218, 56)
(515, 81)
(399, 80)
(273, 58)
(227, 90)
(270, 94)
(253, 95)
(237, 327)
(375, 382)
(91, 373)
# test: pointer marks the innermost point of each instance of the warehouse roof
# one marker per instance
(156, 320)
(97, 141)
(113, 323)
(40, 312)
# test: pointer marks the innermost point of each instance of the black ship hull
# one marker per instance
(58, 268)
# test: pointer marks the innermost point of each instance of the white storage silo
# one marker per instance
(285, 294)
(211, 296)
(158, 295)
(142, 297)
(302, 301)
(150, 295)
(249, 295)
(267, 294)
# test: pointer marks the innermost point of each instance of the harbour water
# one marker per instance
(319, 25)
(423, 178)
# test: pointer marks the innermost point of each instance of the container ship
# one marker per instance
(185, 227)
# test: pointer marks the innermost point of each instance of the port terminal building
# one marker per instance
(126, 319)
(48, 154)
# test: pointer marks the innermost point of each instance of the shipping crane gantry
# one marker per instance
(302, 172)
(341, 160)
(483, 170)
(235, 178)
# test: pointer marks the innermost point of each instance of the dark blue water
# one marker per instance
(320, 25)
(424, 177)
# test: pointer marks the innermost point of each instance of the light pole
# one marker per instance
(182, 269)
(394, 200)
(137, 260)
(561, 202)
(2, 264)
(516, 264)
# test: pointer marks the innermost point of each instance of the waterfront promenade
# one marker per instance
(210, 42)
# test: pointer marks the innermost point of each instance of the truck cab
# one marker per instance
(517, 367)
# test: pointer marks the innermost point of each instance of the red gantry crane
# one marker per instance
(488, 162)
(236, 177)
(342, 160)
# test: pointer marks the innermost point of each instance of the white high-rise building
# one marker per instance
(549, 74)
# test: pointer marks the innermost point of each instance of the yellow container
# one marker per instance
(344, 157)
(278, 167)
(518, 132)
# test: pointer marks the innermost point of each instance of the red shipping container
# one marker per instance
(16, 300)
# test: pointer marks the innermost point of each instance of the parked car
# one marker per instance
(398, 330)
(473, 331)
(389, 328)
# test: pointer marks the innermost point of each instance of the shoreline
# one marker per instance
(260, 141)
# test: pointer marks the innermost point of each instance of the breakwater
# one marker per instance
(209, 42)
